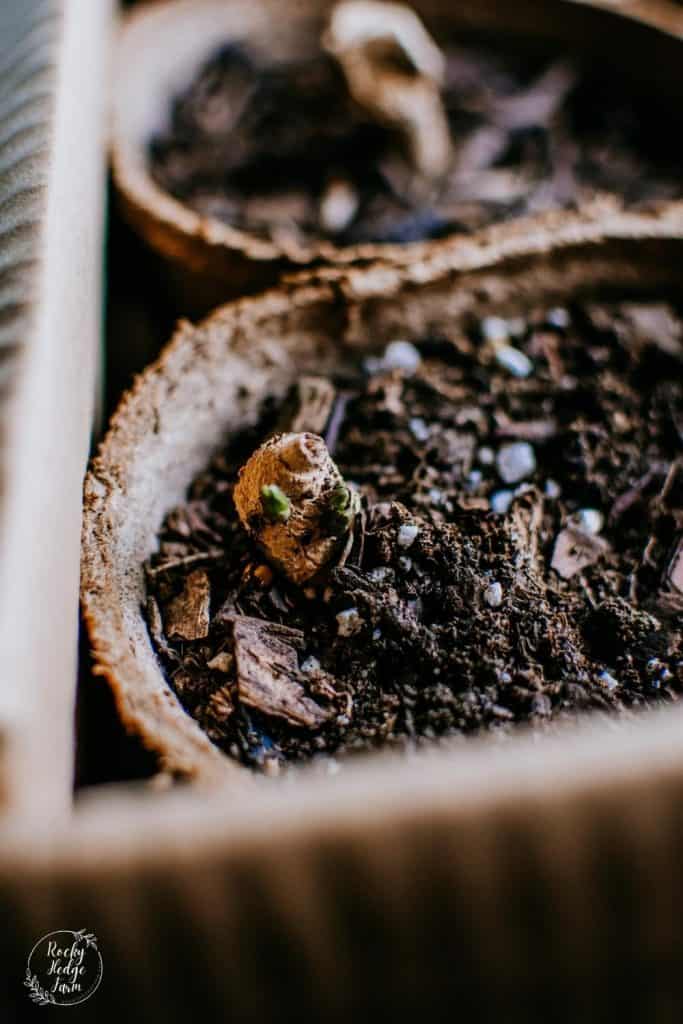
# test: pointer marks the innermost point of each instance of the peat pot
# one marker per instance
(214, 378)
(210, 259)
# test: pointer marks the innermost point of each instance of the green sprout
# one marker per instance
(343, 507)
(275, 503)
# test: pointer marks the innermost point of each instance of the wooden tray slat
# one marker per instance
(52, 125)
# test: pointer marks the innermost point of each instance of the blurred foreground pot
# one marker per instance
(212, 380)
(162, 46)
(524, 882)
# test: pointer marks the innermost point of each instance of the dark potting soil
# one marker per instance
(518, 558)
(282, 152)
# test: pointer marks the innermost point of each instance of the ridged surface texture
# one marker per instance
(447, 894)
(52, 173)
(29, 32)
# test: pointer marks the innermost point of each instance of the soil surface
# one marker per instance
(518, 557)
(282, 151)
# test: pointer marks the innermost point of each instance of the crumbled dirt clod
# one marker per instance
(450, 611)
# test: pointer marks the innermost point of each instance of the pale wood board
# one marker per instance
(53, 62)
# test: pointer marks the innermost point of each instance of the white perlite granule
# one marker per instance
(493, 594)
(407, 534)
(516, 462)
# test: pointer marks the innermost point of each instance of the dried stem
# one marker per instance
(395, 70)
